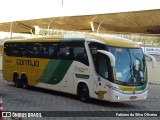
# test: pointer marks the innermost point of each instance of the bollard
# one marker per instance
(1, 108)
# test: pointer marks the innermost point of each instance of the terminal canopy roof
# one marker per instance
(147, 22)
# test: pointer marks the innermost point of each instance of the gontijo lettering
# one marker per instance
(32, 63)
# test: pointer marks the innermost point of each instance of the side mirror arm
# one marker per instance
(153, 60)
(110, 55)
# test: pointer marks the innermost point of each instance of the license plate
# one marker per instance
(133, 97)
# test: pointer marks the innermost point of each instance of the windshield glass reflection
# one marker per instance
(130, 66)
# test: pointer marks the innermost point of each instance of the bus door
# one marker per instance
(102, 66)
(100, 63)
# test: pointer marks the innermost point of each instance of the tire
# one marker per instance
(84, 93)
(24, 82)
(17, 82)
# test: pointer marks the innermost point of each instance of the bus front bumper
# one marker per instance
(116, 96)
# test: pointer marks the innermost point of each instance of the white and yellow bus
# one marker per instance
(105, 68)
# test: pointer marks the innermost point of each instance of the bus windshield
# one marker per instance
(130, 68)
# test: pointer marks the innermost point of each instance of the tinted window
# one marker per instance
(93, 48)
(61, 50)
(73, 51)
(102, 67)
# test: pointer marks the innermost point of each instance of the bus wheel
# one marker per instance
(83, 93)
(17, 82)
(24, 81)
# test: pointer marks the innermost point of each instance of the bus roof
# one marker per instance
(115, 41)
(105, 39)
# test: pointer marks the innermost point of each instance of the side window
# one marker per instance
(63, 52)
(43, 50)
(93, 46)
(102, 67)
(12, 49)
(59, 50)
(72, 51)
(8, 48)
(55, 50)
(51, 50)
(30, 50)
(36, 50)
(80, 53)
(23, 49)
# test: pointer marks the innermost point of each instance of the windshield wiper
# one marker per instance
(120, 82)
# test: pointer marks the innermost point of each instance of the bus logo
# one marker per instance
(100, 94)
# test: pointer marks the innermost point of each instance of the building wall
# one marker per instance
(153, 73)
(0, 62)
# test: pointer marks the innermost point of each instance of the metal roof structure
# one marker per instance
(147, 21)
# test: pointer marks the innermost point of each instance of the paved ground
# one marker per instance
(36, 99)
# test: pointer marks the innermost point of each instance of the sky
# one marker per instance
(13, 10)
